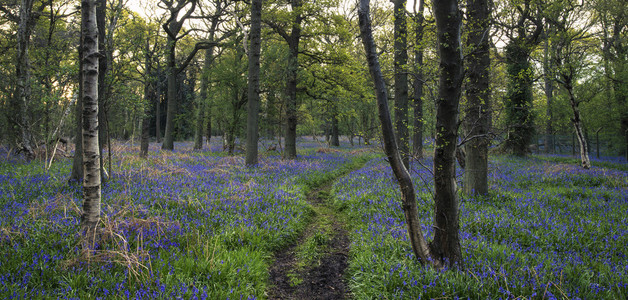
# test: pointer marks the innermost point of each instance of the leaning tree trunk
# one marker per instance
(401, 80)
(91, 152)
(577, 124)
(417, 240)
(446, 244)
(477, 117)
(23, 91)
(252, 121)
(417, 136)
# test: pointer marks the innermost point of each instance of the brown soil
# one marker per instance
(324, 280)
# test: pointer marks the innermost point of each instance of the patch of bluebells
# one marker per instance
(545, 230)
(158, 205)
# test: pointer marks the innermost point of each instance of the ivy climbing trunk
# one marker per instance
(91, 151)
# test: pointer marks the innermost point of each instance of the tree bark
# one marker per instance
(148, 95)
(548, 89)
(291, 85)
(401, 80)
(417, 135)
(446, 244)
(417, 240)
(91, 151)
(477, 117)
(335, 138)
(22, 93)
(577, 124)
(198, 136)
(171, 95)
(252, 124)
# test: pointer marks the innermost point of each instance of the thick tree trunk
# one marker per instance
(519, 99)
(91, 151)
(103, 68)
(401, 80)
(417, 135)
(291, 85)
(417, 240)
(446, 244)
(23, 90)
(477, 117)
(577, 124)
(252, 121)
(171, 96)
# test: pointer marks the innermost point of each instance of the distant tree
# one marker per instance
(524, 32)
(477, 115)
(91, 151)
(252, 130)
(573, 45)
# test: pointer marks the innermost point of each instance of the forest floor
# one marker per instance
(314, 266)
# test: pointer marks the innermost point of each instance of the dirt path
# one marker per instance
(313, 267)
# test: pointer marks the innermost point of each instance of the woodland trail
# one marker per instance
(314, 266)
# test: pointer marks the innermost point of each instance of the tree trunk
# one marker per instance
(519, 99)
(417, 135)
(291, 85)
(91, 152)
(417, 240)
(158, 106)
(477, 117)
(549, 96)
(77, 160)
(103, 64)
(22, 93)
(335, 139)
(401, 80)
(446, 244)
(252, 121)
(171, 95)
(577, 124)
(148, 92)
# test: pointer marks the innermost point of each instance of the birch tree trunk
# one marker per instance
(577, 124)
(91, 152)
(446, 244)
(252, 124)
(477, 117)
(417, 240)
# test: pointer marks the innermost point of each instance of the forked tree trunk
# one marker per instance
(577, 124)
(477, 117)
(91, 152)
(401, 80)
(446, 244)
(417, 240)
(252, 124)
